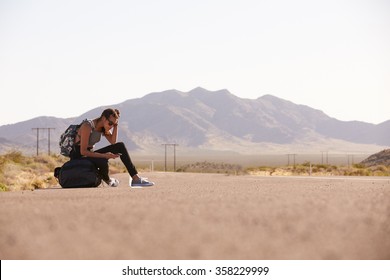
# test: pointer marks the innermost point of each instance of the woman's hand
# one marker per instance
(110, 155)
(112, 135)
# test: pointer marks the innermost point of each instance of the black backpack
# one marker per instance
(67, 139)
(78, 173)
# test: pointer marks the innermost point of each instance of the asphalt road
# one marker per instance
(201, 216)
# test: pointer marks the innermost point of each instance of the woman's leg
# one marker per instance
(120, 148)
(101, 164)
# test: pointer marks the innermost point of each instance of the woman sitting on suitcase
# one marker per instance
(90, 133)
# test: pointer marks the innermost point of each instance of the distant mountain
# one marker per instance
(23, 135)
(205, 120)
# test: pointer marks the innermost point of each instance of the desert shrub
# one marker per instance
(322, 169)
(315, 169)
(14, 156)
(260, 168)
(212, 167)
(299, 169)
(380, 170)
(19, 172)
(263, 170)
(322, 166)
(358, 165)
(38, 184)
(360, 172)
(331, 168)
(3, 187)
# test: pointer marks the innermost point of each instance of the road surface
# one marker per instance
(201, 216)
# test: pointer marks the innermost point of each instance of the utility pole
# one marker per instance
(288, 159)
(322, 157)
(350, 160)
(165, 165)
(42, 128)
(37, 129)
(174, 155)
(48, 141)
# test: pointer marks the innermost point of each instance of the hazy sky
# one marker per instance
(61, 58)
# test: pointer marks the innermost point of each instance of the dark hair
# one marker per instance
(110, 112)
(107, 113)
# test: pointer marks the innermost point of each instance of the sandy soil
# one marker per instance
(202, 216)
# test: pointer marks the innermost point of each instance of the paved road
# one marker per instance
(202, 216)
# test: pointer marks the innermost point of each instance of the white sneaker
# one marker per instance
(142, 182)
(112, 182)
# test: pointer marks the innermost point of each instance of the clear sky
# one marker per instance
(64, 57)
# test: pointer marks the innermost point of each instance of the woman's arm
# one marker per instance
(112, 136)
(85, 132)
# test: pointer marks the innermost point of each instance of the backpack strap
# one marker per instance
(90, 122)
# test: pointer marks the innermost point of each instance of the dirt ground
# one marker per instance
(201, 216)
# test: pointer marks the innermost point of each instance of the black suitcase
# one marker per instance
(78, 173)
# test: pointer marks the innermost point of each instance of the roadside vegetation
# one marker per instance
(20, 172)
(213, 167)
(307, 169)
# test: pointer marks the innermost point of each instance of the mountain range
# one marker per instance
(202, 120)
